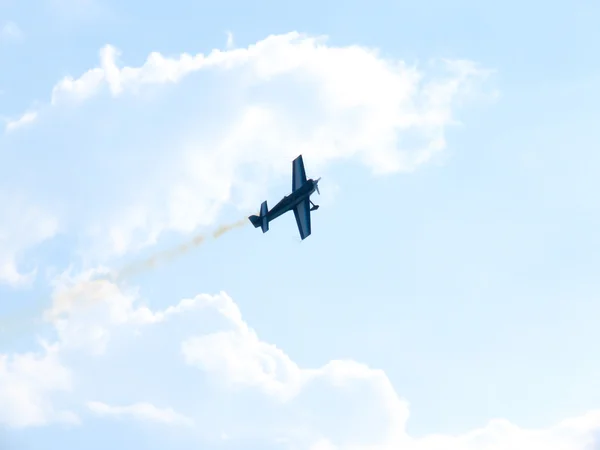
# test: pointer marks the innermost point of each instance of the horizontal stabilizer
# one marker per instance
(255, 220)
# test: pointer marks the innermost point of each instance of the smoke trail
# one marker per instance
(86, 293)
(169, 255)
(225, 228)
(99, 285)
(161, 256)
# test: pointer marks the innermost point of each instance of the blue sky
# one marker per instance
(447, 298)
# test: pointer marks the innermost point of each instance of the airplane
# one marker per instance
(298, 201)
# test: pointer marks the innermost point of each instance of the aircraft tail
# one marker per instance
(255, 220)
(262, 220)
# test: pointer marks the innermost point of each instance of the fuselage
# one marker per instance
(288, 202)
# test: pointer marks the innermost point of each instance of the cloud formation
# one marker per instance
(230, 111)
(133, 172)
(250, 389)
(27, 383)
(23, 120)
(23, 225)
(141, 411)
(10, 31)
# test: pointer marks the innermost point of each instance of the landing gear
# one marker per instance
(313, 206)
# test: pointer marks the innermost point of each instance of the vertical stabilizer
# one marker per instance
(263, 216)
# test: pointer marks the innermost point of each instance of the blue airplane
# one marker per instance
(298, 201)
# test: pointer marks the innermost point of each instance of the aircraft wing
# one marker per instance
(302, 213)
(298, 173)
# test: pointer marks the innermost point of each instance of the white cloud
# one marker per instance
(230, 40)
(240, 116)
(85, 313)
(79, 10)
(25, 119)
(27, 382)
(573, 434)
(22, 226)
(251, 389)
(85, 309)
(10, 31)
(239, 357)
(343, 405)
(141, 411)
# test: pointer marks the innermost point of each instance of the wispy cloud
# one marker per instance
(23, 225)
(141, 411)
(10, 31)
(229, 40)
(79, 10)
(25, 119)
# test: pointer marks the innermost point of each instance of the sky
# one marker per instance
(448, 296)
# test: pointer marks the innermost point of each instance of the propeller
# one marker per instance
(317, 185)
